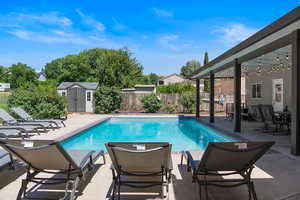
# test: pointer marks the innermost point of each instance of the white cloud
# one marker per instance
(55, 36)
(118, 26)
(50, 18)
(90, 21)
(22, 19)
(162, 13)
(234, 33)
(167, 41)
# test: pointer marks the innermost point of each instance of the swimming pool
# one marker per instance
(182, 133)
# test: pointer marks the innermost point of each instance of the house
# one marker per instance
(145, 89)
(79, 95)
(42, 76)
(173, 78)
(4, 87)
(270, 62)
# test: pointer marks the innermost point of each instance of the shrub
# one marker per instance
(151, 103)
(170, 108)
(188, 101)
(40, 101)
(107, 99)
(176, 88)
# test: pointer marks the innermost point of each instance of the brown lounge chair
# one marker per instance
(133, 163)
(44, 156)
(224, 159)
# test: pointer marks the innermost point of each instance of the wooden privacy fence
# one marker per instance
(132, 101)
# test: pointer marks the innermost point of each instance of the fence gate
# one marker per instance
(76, 99)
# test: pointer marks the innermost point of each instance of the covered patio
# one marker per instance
(269, 61)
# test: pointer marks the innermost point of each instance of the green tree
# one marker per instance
(151, 103)
(107, 99)
(107, 66)
(206, 59)
(3, 73)
(41, 101)
(21, 74)
(189, 68)
(206, 81)
(178, 88)
(117, 68)
(188, 101)
(149, 79)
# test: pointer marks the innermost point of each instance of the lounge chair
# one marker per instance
(45, 156)
(10, 120)
(133, 163)
(26, 117)
(26, 129)
(5, 159)
(225, 159)
(7, 133)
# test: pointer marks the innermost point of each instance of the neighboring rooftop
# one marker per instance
(86, 85)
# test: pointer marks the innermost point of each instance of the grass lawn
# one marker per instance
(3, 99)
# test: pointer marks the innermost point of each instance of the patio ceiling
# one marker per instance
(277, 31)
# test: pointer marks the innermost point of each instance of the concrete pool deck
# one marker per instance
(276, 177)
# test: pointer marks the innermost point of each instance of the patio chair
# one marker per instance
(6, 159)
(10, 120)
(254, 113)
(26, 129)
(225, 159)
(8, 133)
(47, 156)
(134, 163)
(26, 117)
(270, 117)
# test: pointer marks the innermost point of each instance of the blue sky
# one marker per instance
(161, 34)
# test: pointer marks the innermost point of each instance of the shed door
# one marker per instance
(76, 99)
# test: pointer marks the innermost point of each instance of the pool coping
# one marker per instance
(79, 130)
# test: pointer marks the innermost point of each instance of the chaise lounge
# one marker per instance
(225, 159)
(28, 118)
(10, 120)
(140, 165)
(42, 156)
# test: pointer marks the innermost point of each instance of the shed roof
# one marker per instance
(86, 85)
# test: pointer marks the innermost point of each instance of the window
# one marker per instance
(88, 96)
(63, 93)
(160, 82)
(256, 90)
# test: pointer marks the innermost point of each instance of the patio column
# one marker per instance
(212, 98)
(197, 98)
(295, 108)
(237, 96)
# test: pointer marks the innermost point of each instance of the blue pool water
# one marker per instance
(183, 133)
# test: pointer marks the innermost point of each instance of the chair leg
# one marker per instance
(119, 191)
(114, 190)
(200, 192)
(22, 190)
(74, 187)
(181, 161)
(253, 191)
(249, 191)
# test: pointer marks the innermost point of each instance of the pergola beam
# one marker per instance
(295, 110)
(212, 98)
(197, 98)
(237, 96)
